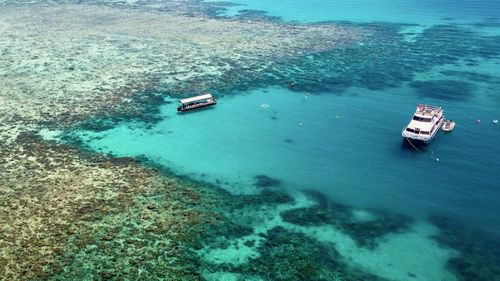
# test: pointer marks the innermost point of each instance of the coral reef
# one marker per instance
(382, 59)
(444, 89)
(70, 215)
(477, 260)
(364, 232)
(278, 235)
(301, 239)
(66, 213)
(96, 67)
(287, 255)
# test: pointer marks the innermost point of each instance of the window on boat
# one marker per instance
(424, 132)
(421, 119)
(410, 130)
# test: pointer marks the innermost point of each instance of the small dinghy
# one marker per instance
(448, 125)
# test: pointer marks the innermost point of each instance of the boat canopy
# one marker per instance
(197, 98)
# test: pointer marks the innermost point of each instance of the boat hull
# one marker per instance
(418, 142)
(418, 139)
(181, 109)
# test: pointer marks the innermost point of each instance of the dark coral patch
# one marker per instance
(288, 255)
(266, 197)
(265, 181)
(478, 258)
(311, 216)
(365, 233)
(472, 76)
(444, 89)
(122, 161)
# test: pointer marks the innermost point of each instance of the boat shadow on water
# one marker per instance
(413, 146)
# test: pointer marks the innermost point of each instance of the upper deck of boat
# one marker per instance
(427, 110)
(425, 117)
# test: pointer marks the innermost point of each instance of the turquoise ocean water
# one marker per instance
(399, 11)
(348, 146)
(345, 141)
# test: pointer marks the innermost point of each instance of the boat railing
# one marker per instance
(428, 109)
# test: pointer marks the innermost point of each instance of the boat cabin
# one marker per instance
(424, 124)
(196, 102)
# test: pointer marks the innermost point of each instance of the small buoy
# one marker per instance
(264, 105)
(478, 121)
(495, 121)
(300, 123)
(437, 159)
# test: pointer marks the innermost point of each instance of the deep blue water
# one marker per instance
(347, 142)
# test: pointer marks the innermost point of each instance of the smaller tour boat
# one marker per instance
(425, 124)
(448, 125)
(196, 102)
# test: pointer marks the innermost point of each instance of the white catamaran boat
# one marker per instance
(196, 102)
(425, 124)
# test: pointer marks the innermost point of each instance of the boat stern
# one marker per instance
(410, 136)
